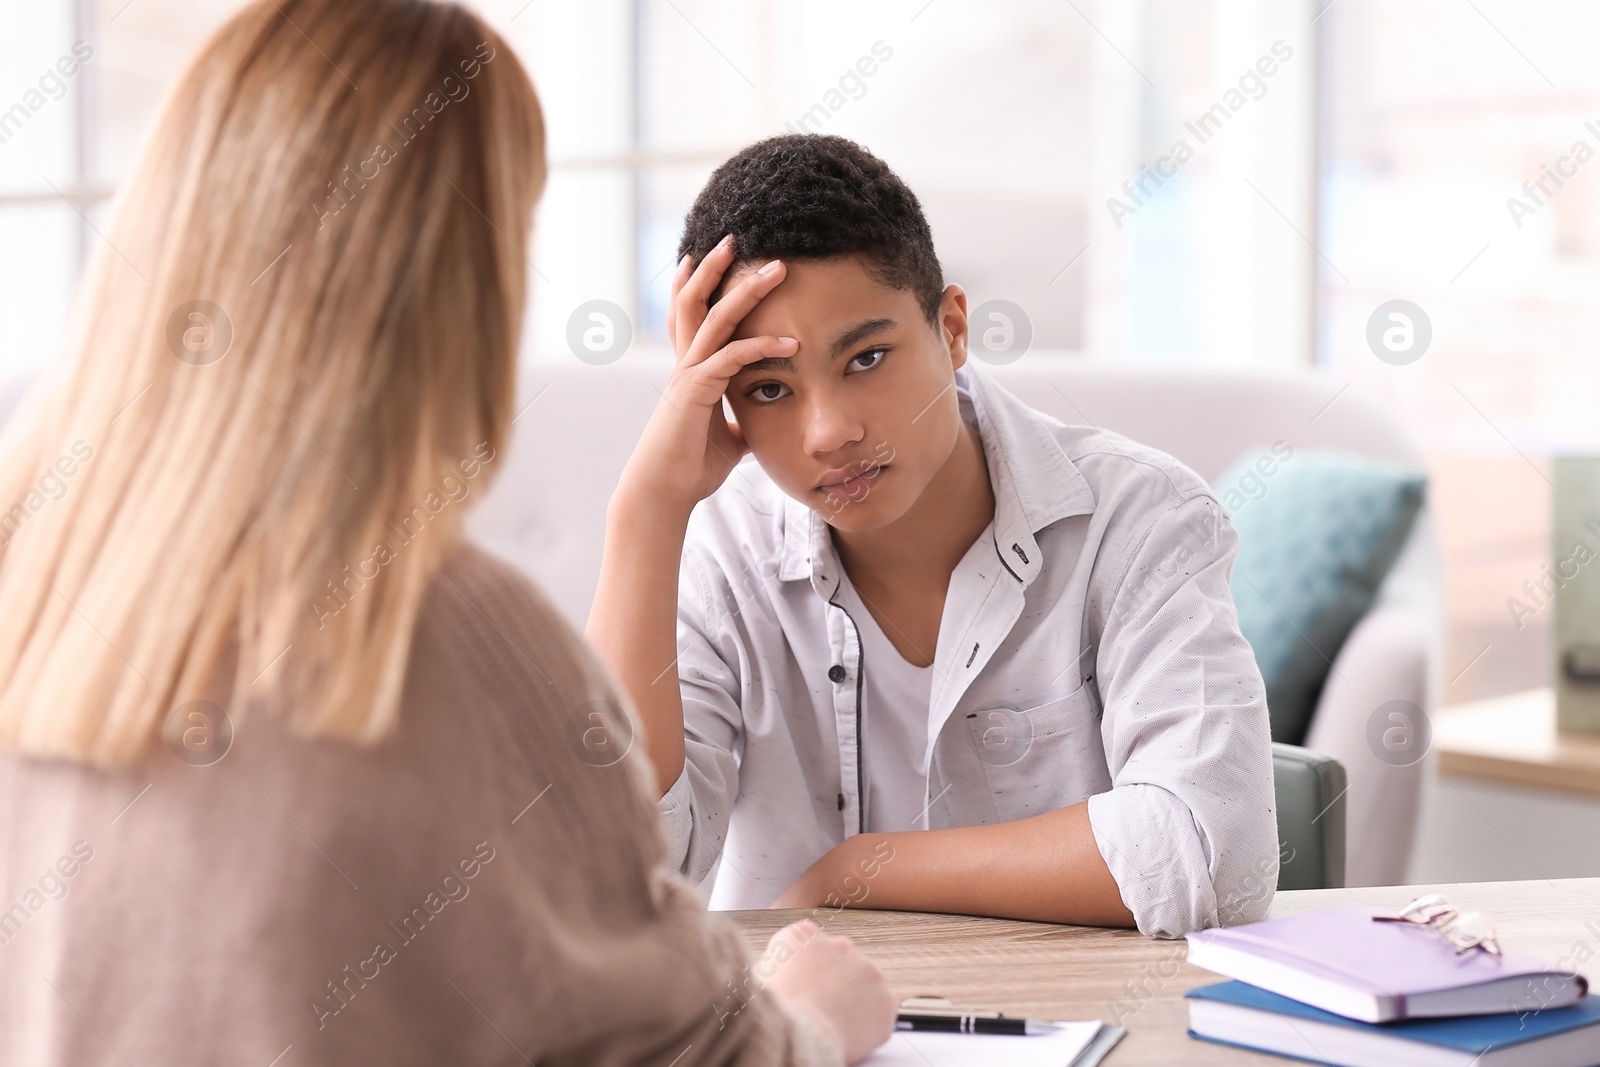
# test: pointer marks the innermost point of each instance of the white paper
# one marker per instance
(921, 1049)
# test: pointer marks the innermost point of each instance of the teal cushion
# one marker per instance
(1318, 530)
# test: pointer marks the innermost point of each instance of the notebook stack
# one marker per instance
(1337, 987)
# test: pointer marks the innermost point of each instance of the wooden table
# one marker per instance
(1074, 972)
(1513, 740)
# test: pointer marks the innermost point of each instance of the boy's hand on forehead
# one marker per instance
(700, 322)
(688, 447)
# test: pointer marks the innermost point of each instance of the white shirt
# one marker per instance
(894, 723)
(1091, 651)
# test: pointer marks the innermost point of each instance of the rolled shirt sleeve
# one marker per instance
(1188, 829)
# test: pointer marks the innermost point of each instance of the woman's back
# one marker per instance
(437, 898)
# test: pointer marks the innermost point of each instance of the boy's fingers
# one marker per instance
(704, 385)
(735, 356)
(720, 322)
(708, 272)
(681, 275)
(691, 300)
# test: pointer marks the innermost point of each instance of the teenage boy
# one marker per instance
(927, 648)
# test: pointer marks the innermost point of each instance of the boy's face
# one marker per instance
(864, 415)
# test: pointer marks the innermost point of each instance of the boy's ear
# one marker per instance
(953, 323)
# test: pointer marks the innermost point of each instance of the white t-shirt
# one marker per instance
(896, 700)
(894, 722)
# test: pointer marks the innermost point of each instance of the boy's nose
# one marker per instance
(830, 426)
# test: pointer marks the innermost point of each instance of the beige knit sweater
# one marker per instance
(481, 888)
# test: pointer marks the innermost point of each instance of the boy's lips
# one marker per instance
(845, 481)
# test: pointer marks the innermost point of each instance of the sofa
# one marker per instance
(577, 424)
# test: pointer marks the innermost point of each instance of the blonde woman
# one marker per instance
(288, 773)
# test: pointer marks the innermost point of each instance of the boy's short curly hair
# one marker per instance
(817, 196)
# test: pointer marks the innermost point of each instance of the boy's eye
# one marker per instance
(874, 356)
(767, 392)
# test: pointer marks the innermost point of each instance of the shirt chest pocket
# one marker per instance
(1042, 758)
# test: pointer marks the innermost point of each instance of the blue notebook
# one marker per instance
(1234, 1013)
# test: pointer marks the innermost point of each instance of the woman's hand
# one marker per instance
(826, 979)
(688, 447)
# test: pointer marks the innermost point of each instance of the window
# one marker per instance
(80, 86)
(1454, 176)
(1199, 243)
(982, 108)
(643, 98)
(43, 187)
(1002, 115)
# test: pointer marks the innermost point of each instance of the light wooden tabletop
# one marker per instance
(1073, 972)
(1513, 740)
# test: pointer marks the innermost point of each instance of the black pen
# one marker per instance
(972, 1024)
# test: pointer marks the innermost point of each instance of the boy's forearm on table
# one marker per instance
(1046, 868)
(633, 622)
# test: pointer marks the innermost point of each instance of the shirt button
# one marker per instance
(836, 673)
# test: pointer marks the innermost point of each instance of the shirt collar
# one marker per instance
(1033, 480)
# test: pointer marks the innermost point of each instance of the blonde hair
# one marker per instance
(303, 323)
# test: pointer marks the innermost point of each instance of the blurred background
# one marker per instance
(1173, 185)
(1376, 164)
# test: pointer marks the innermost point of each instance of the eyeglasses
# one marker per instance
(1464, 929)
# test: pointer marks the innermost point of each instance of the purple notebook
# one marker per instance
(1339, 960)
